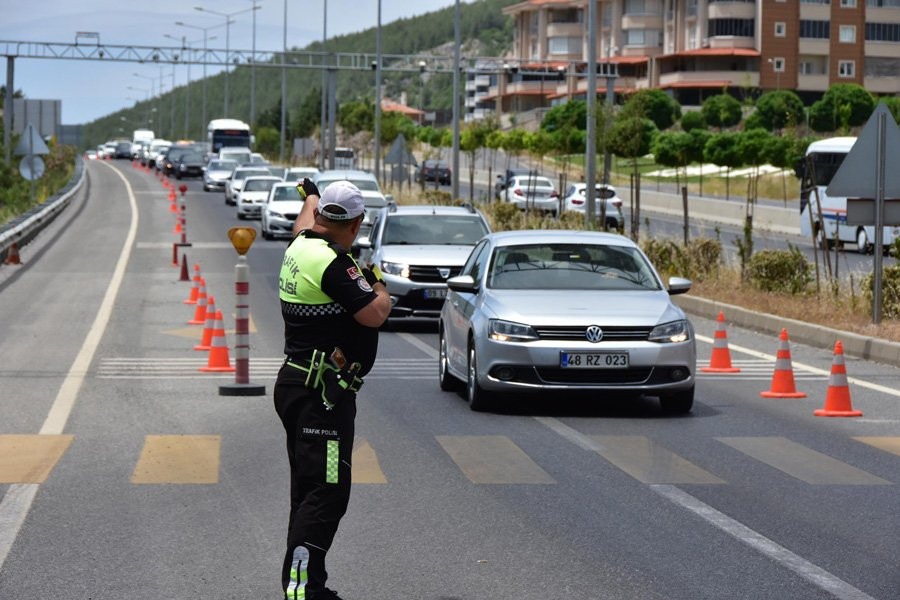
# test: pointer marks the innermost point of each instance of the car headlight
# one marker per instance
(398, 269)
(508, 331)
(276, 215)
(182, 167)
(669, 333)
(246, 200)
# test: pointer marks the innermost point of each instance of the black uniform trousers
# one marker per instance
(319, 447)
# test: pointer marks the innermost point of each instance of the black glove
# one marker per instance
(373, 275)
(307, 188)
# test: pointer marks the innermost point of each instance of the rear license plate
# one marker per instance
(439, 293)
(593, 360)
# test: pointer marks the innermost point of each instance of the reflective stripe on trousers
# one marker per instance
(296, 589)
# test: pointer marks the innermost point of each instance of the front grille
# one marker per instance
(431, 274)
(290, 216)
(577, 333)
(594, 376)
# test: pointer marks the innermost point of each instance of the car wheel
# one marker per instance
(241, 216)
(862, 242)
(447, 381)
(477, 398)
(678, 403)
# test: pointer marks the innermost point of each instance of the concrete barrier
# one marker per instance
(860, 346)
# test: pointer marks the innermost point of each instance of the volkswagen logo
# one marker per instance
(594, 334)
(444, 272)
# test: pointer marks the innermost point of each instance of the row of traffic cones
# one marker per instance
(213, 337)
(837, 398)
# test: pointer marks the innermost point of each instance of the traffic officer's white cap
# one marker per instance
(344, 195)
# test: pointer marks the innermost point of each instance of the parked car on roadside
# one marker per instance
(556, 311)
(433, 170)
(576, 201)
(532, 193)
(282, 207)
(503, 180)
(253, 195)
(418, 248)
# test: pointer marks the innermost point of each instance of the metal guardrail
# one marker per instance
(25, 227)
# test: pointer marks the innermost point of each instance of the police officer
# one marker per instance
(332, 308)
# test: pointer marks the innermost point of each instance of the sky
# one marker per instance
(90, 89)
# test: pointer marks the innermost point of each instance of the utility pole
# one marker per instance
(8, 106)
(324, 84)
(454, 191)
(283, 84)
(590, 154)
(253, 66)
(378, 95)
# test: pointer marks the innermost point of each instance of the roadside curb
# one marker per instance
(860, 346)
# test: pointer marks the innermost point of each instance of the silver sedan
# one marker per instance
(565, 310)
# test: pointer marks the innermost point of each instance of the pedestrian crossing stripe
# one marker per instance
(481, 459)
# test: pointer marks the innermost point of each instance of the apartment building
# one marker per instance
(696, 48)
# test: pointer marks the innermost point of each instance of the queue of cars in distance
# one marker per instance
(253, 194)
(562, 311)
(418, 248)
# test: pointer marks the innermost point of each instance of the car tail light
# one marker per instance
(518, 192)
(577, 201)
(554, 194)
(617, 204)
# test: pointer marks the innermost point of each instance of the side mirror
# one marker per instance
(462, 283)
(364, 242)
(389, 197)
(679, 285)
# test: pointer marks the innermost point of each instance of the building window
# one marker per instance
(643, 7)
(847, 68)
(646, 38)
(748, 1)
(779, 28)
(731, 27)
(692, 8)
(567, 15)
(847, 34)
(816, 30)
(815, 1)
(564, 45)
(812, 65)
(848, 3)
(778, 65)
(882, 67)
(607, 14)
(883, 3)
(883, 32)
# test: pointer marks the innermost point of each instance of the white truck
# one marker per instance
(822, 161)
(139, 139)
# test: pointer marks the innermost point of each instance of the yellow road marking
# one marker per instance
(178, 459)
(492, 459)
(365, 464)
(801, 462)
(30, 458)
(888, 444)
(648, 462)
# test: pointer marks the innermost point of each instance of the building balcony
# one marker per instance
(732, 41)
(883, 50)
(882, 15)
(882, 85)
(813, 47)
(816, 12)
(566, 30)
(812, 83)
(709, 79)
(642, 21)
(732, 10)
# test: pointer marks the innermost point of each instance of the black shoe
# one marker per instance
(326, 594)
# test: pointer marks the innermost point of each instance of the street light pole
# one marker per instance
(590, 155)
(324, 92)
(228, 23)
(253, 68)
(205, 56)
(283, 88)
(456, 60)
(378, 94)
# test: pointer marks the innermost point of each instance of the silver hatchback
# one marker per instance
(565, 310)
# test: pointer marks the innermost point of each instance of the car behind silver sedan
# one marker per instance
(565, 310)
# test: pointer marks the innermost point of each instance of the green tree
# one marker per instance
(673, 149)
(844, 105)
(571, 114)
(751, 146)
(779, 109)
(567, 142)
(656, 105)
(493, 142)
(699, 137)
(357, 116)
(539, 144)
(471, 140)
(305, 120)
(692, 120)
(722, 150)
(893, 104)
(721, 111)
(632, 137)
(514, 142)
(267, 140)
(778, 154)
(271, 117)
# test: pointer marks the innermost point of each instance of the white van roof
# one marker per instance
(835, 144)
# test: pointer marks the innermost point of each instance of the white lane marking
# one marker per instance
(802, 567)
(271, 374)
(18, 499)
(809, 368)
(194, 245)
(817, 576)
(427, 349)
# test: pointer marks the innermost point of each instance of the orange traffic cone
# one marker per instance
(210, 326)
(837, 400)
(783, 385)
(218, 353)
(12, 256)
(200, 311)
(195, 289)
(183, 276)
(177, 224)
(720, 361)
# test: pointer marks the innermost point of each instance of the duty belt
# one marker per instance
(322, 375)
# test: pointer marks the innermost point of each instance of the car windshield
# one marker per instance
(559, 266)
(242, 174)
(602, 192)
(286, 193)
(277, 171)
(222, 165)
(364, 185)
(299, 175)
(433, 229)
(533, 182)
(239, 157)
(191, 157)
(258, 185)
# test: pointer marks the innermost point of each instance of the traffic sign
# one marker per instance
(31, 143)
(242, 238)
(31, 167)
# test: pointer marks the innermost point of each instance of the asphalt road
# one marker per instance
(124, 474)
